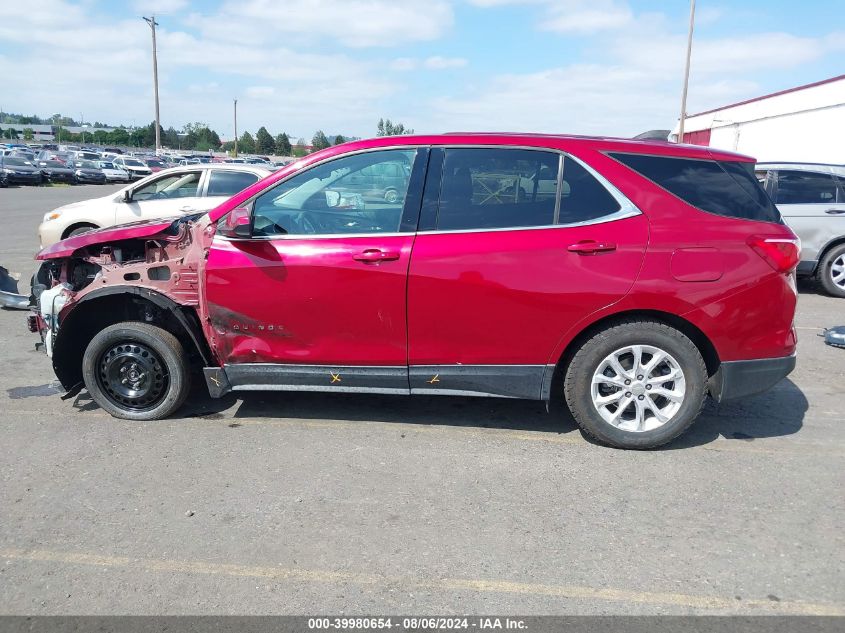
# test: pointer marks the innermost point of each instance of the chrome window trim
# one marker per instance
(627, 208)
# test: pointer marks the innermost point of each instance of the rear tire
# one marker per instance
(663, 394)
(136, 371)
(831, 271)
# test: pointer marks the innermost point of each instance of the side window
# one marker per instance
(805, 187)
(720, 187)
(497, 188)
(228, 183)
(182, 185)
(583, 197)
(340, 196)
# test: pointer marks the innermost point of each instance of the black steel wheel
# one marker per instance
(133, 376)
(136, 371)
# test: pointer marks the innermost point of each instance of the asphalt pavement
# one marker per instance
(316, 503)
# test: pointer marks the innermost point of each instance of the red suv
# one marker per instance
(634, 278)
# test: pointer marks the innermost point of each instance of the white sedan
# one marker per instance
(167, 193)
(112, 172)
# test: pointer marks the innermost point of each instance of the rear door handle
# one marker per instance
(375, 255)
(835, 211)
(591, 247)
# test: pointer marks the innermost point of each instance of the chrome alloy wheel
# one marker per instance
(638, 388)
(837, 271)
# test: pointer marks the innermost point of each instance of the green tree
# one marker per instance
(338, 140)
(119, 136)
(386, 127)
(264, 143)
(246, 144)
(320, 141)
(10, 134)
(28, 134)
(283, 147)
(137, 136)
(200, 137)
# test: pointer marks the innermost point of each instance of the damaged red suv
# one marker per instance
(630, 278)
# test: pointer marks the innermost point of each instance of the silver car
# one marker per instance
(811, 199)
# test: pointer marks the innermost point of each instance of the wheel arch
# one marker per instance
(690, 330)
(79, 224)
(824, 250)
(107, 306)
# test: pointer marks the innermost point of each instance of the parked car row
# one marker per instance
(19, 171)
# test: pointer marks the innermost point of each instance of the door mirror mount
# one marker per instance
(237, 224)
(127, 195)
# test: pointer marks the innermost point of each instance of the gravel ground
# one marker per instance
(304, 503)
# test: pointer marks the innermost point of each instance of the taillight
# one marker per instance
(781, 253)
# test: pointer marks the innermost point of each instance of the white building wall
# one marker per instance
(806, 125)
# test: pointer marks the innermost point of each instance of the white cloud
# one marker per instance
(587, 17)
(442, 63)
(403, 64)
(260, 92)
(159, 7)
(728, 55)
(354, 23)
(500, 3)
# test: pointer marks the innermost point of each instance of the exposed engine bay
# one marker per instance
(164, 263)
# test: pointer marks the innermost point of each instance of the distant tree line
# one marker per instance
(193, 136)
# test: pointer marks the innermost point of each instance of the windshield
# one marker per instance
(86, 164)
(53, 163)
(18, 162)
(133, 162)
(105, 165)
(155, 163)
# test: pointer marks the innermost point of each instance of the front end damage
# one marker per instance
(147, 272)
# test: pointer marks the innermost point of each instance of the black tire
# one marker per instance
(161, 373)
(79, 230)
(825, 271)
(579, 376)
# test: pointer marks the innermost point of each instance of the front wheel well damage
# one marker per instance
(115, 305)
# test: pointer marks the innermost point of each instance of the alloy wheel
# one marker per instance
(638, 388)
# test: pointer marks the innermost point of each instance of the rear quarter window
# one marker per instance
(727, 188)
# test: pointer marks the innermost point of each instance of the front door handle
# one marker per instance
(375, 255)
(835, 211)
(591, 247)
(187, 209)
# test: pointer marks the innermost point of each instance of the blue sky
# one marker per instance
(575, 66)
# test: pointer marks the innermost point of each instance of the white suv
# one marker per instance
(811, 199)
(167, 193)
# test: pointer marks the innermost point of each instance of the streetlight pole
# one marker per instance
(153, 24)
(686, 72)
(236, 129)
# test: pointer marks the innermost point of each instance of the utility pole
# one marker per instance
(686, 72)
(153, 24)
(236, 129)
